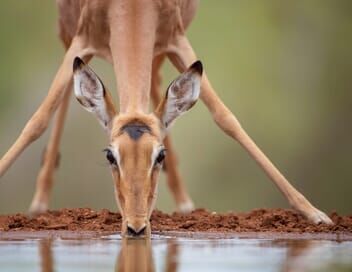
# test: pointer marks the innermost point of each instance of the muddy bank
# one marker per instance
(260, 220)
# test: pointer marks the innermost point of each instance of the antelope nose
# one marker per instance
(136, 232)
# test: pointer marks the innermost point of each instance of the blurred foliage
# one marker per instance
(283, 67)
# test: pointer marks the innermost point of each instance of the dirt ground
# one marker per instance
(259, 220)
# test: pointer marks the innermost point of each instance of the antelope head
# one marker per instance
(135, 151)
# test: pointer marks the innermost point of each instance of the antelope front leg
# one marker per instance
(38, 123)
(182, 55)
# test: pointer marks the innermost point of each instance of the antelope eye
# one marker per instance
(110, 157)
(161, 156)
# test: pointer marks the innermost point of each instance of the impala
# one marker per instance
(135, 36)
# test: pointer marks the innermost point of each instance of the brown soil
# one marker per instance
(260, 220)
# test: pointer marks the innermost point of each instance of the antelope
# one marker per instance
(135, 36)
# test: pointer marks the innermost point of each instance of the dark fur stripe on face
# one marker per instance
(136, 130)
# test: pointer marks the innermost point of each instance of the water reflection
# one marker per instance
(171, 255)
(135, 255)
(46, 255)
(295, 250)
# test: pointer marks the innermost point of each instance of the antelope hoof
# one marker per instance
(318, 217)
(186, 206)
(37, 208)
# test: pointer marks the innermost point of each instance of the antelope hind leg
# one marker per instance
(175, 183)
(50, 159)
(182, 55)
(51, 156)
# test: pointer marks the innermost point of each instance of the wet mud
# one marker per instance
(200, 220)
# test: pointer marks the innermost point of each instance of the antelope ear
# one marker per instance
(91, 94)
(181, 95)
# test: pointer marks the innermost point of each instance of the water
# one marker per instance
(174, 254)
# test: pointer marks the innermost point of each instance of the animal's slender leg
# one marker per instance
(38, 123)
(183, 201)
(51, 157)
(182, 55)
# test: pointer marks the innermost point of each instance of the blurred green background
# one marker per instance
(283, 67)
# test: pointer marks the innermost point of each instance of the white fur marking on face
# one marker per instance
(156, 149)
(116, 153)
